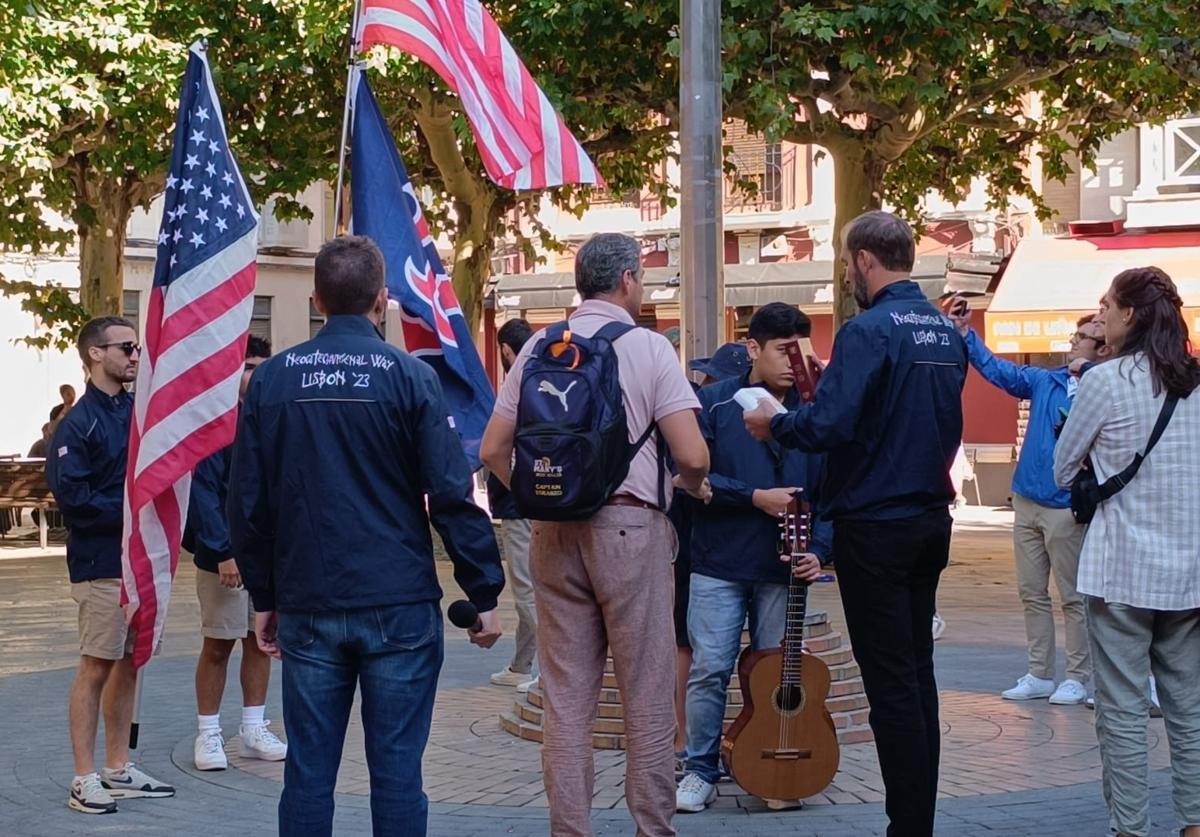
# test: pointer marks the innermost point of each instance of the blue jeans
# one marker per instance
(716, 613)
(393, 654)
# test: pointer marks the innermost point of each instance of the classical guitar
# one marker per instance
(805, 369)
(783, 744)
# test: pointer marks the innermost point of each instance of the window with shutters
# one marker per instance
(260, 319)
(131, 310)
(756, 182)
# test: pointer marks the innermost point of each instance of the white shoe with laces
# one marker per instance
(258, 742)
(523, 688)
(131, 783)
(694, 794)
(1030, 688)
(508, 677)
(1069, 693)
(210, 751)
(88, 796)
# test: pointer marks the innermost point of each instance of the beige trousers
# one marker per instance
(607, 583)
(1047, 541)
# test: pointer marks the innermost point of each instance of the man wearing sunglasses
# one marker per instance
(85, 467)
(1046, 538)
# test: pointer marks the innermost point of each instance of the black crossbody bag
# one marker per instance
(1087, 493)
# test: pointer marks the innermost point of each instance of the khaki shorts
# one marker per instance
(224, 613)
(102, 630)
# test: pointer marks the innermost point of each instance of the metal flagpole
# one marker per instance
(137, 710)
(351, 66)
(701, 208)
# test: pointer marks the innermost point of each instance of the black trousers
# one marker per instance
(888, 574)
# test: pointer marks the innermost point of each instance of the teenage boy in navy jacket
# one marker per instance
(736, 565)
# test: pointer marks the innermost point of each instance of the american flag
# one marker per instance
(521, 138)
(185, 404)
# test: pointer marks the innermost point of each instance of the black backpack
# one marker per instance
(571, 449)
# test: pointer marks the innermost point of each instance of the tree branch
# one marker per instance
(1178, 54)
(437, 125)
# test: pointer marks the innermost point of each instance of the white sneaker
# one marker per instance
(1030, 688)
(508, 677)
(939, 626)
(258, 742)
(210, 751)
(131, 783)
(1069, 693)
(88, 796)
(523, 688)
(694, 794)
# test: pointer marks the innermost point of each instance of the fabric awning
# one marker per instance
(806, 284)
(1051, 282)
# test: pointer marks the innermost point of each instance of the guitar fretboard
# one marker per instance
(795, 530)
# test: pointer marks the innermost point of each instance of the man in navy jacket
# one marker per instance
(888, 412)
(225, 612)
(344, 455)
(1046, 537)
(735, 545)
(85, 467)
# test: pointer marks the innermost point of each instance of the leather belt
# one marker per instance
(629, 500)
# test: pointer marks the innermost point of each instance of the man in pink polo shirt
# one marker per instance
(607, 582)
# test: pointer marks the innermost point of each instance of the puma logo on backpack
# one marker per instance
(550, 389)
(568, 462)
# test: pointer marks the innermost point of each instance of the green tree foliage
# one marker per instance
(909, 95)
(88, 95)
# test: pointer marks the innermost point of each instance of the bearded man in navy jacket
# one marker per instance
(888, 414)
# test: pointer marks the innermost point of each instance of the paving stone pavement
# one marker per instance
(1017, 768)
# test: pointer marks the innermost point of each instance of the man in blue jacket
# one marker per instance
(1046, 537)
(736, 567)
(85, 467)
(343, 444)
(888, 412)
(225, 612)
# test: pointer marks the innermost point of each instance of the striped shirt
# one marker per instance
(1143, 546)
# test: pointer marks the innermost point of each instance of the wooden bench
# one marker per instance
(23, 485)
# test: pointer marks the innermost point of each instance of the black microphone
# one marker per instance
(463, 614)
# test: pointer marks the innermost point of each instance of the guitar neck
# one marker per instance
(796, 523)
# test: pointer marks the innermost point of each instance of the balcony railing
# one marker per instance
(1182, 149)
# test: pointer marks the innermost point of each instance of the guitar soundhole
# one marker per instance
(789, 699)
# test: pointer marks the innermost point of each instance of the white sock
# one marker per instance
(252, 716)
(81, 779)
(209, 723)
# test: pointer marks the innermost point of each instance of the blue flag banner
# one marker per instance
(386, 209)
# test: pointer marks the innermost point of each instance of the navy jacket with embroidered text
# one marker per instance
(888, 410)
(85, 468)
(340, 443)
(732, 539)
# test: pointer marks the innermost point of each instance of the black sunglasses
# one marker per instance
(127, 347)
